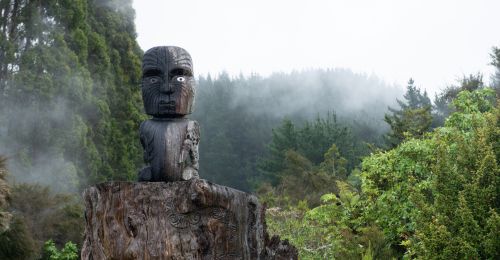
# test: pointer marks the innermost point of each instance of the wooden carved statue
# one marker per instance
(170, 140)
(153, 218)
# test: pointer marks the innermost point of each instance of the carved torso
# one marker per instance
(170, 148)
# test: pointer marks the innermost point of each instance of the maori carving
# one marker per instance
(170, 141)
(181, 220)
(172, 213)
(221, 224)
(167, 82)
(127, 220)
(252, 229)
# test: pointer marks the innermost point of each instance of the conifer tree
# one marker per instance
(70, 104)
(413, 118)
(284, 139)
(495, 61)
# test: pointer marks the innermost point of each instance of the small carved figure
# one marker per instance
(170, 140)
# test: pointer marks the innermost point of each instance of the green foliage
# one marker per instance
(48, 215)
(414, 117)
(316, 137)
(334, 164)
(16, 242)
(284, 139)
(443, 102)
(70, 108)
(333, 230)
(68, 91)
(324, 138)
(68, 252)
(301, 180)
(335, 227)
(433, 197)
(438, 196)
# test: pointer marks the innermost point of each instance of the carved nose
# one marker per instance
(166, 89)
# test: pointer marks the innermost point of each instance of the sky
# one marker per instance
(435, 42)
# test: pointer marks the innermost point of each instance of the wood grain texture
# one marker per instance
(177, 220)
(170, 149)
(167, 84)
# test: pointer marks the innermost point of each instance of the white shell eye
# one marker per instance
(153, 80)
(181, 79)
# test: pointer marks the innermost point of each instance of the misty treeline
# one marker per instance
(239, 116)
(431, 190)
(348, 165)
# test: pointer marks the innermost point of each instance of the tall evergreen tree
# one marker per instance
(495, 61)
(284, 139)
(412, 119)
(69, 100)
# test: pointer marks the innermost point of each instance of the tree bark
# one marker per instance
(192, 219)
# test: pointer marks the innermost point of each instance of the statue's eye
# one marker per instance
(153, 80)
(181, 79)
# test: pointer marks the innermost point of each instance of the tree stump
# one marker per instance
(192, 219)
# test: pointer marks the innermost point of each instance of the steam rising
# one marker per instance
(35, 154)
(309, 93)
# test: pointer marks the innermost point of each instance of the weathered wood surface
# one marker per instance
(167, 82)
(170, 149)
(170, 140)
(192, 219)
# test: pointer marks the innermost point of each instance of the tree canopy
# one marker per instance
(68, 91)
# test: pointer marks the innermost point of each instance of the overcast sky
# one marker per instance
(433, 41)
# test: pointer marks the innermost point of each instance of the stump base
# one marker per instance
(178, 220)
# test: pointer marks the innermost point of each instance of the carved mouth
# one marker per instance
(166, 106)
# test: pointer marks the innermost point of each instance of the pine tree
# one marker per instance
(495, 57)
(413, 118)
(284, 139)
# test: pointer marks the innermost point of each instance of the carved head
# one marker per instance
(167, 82)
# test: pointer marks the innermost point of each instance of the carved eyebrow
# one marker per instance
(180, 72)
(152, 72)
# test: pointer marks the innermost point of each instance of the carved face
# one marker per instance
(167, 82)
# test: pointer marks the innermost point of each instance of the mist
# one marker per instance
(237, 114)
(33, 141)
(71, 105)
(309, 92)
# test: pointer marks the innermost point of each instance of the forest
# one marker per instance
(349, 166)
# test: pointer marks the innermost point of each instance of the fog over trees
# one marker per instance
(237, 115)
(348, 165)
